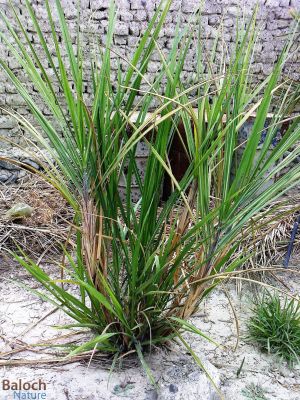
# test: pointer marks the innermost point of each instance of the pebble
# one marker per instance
(9, 166)
(19, 210)
(173, 388)
(31, 163)
(152, 395)
(4, 176)
(12, 173)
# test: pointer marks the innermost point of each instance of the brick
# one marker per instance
(14, 100)
(120, 40)
(140, 15)
(134, 29)
(99, 15)
(126, 16)
(138, 4)
(132, 41)
(121, 29)
(176, 5)
(272, 3)
(96, 4)
(154, 67)
(228, 22)
(190, 6)
(284, 3)
(7, 122)
(278, 24)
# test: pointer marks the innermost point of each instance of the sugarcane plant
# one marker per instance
(142, 268)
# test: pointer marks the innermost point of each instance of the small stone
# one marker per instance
(21, 174)
(13, 178)
(4, 176)
(173, 388)
(8, 165)
(19, 210)
(152, 395)
(31, 163)
(7, 123)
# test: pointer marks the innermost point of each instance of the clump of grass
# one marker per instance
(254, 392)
(143, 269)
(275, 326)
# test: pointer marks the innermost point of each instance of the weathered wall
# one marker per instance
(274, 20)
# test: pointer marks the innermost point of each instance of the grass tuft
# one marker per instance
(275, 326)
(254, 392)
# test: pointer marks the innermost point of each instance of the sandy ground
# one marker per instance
(176, 373)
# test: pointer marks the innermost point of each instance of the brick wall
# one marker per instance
(274, 20)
